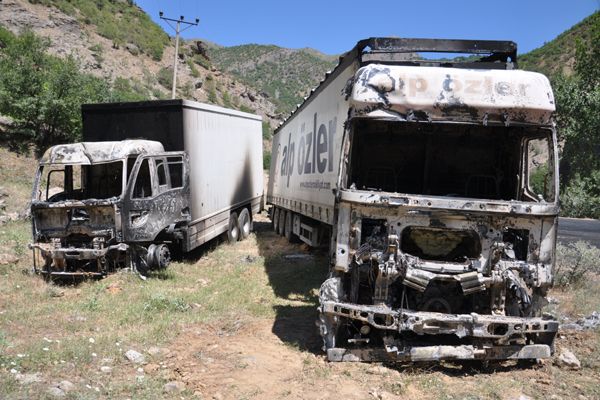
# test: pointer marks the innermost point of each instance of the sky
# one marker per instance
(334, 26)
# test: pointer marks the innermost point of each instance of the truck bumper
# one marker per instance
(493, 337)
(439, 353)
(57, 256)
(76, 253)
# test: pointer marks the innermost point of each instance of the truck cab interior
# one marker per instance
(60, 182)
(452, 160)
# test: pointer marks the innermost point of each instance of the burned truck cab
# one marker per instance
(447, 209)
(97, 206)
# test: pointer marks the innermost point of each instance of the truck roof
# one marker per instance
(489, 56)
(86, 153)
(161, 106)
(452, 94)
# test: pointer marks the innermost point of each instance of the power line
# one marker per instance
(177, 32)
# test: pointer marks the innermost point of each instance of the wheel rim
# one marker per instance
(233, 232)
(244, 223)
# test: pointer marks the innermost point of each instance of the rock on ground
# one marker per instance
(135, 357)
(66, 386)
(174, 386)
(8, 259)
(55, 392)
(567, 359)
(26, 379)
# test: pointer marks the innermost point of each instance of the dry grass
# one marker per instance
(238, 322)
(16, 179)
(47, 328)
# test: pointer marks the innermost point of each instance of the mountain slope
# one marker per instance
(116, 40)
(558, 55)
(284, 75)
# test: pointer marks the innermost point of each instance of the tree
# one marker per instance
(43, 93)
(578, 119)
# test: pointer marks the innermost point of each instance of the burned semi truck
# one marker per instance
(150, 178)
(434, 182)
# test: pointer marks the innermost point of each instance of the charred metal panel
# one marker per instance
(87, 153)
(166, 207)
(153, 120)
(433, 256)
(435, 94)
(224, 146)
(305, 159)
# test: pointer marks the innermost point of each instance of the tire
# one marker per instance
(275, 219)
(281, 222)
(289, 227)
(244, 224)
(233, 230)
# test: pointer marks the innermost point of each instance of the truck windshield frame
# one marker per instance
(451, 160)
(74, 182)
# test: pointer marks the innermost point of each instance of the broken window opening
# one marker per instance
(175, 165)
(60, 182)
(481, 162)
(160, 171)
(540, 168)
(143, 182)
(449, 245)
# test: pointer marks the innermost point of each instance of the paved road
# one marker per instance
(572, 230)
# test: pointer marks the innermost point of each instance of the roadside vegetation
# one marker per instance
(42, 94)
(233, 321)
(572, 62)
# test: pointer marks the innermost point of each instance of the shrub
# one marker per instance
(574, 262)
(226, 99)
(267, 161)
(212, 96)
(581, 198)
(43, 93)
(165, 77)
(193, 70)
(267, 132)
(202, 61)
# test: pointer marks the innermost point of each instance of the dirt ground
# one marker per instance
(265, 358)
(229, 322)
(251, 360)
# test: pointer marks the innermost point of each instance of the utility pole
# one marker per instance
(177, 32)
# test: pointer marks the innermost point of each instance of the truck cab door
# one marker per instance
(157, 196)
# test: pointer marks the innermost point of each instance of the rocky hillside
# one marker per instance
(117, 41)
(558, 55)
(282, 75)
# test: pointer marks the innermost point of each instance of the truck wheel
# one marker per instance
(289, 227)
(275, 219)
(244, 223)
(281, 222)
(233, 230)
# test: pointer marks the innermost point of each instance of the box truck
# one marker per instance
(435, 184)
(149, 179)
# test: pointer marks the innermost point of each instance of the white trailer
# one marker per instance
(435, 184)
(149, 177)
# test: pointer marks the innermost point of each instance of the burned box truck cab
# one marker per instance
(438, 180)
(97, 204)
(113, 202)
